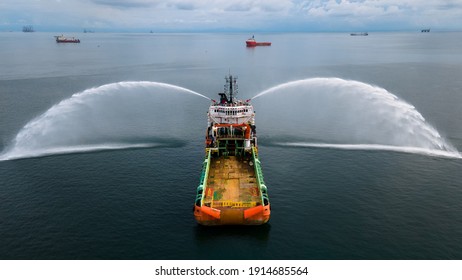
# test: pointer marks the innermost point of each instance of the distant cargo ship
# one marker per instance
(251, 42)
(231, 190)
(360, 34)
(62, 39)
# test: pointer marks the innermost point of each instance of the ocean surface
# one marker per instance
(101, 145)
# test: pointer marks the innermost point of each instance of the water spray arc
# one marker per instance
(113, 116)
(316, 112)
(345, 114)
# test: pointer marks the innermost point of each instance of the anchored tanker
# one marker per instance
(231, 190)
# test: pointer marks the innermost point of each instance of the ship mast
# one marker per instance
(231, 87)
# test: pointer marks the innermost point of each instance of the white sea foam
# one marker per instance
(18, 154)
(372, 147)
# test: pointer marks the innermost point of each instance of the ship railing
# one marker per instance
(234, 204)
(260, 179)
(203, 179)
(230, 136)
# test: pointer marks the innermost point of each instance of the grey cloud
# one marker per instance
(185, 6)
(125, 4)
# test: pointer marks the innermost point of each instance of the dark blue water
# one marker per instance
(362, 164)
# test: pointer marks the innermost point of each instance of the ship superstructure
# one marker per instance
(231, 190)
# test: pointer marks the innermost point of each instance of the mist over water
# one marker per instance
(113, 116)
(337, 113)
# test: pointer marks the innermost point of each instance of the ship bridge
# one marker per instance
(230, 110)
(241, 112)
(231, 122)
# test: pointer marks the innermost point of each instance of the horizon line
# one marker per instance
(139, 30)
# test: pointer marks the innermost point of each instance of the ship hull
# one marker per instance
(251, 43)
(62, 39)
(68, 41)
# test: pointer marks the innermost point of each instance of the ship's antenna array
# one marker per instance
(231, 87)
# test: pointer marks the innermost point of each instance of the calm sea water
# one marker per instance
(101, 145)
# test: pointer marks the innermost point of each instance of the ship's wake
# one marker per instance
(115, 116)
(342, 114)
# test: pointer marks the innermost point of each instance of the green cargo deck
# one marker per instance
(231, 183)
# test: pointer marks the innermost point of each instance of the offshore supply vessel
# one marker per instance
(251, 42)
(231, 189)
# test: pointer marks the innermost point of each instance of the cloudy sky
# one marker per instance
(231, 15)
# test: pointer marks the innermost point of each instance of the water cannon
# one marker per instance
(223, 98)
